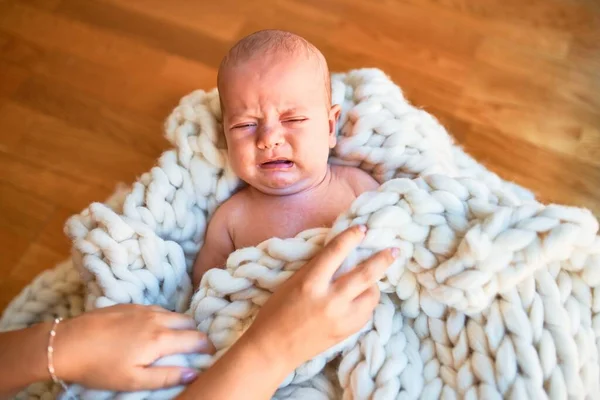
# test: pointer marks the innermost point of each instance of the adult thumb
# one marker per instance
(151, 378)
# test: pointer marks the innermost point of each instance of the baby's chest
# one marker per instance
(264, 221)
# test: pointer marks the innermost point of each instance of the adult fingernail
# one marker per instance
(188, 375)
(395, 252)
(206, 347)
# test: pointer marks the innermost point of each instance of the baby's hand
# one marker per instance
(310, 313)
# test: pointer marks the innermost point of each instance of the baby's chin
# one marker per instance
(279, 187)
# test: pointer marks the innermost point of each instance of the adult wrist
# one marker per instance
(40, 372)
(50, 354)
(64, 355)
(24, 350)
(270, 352)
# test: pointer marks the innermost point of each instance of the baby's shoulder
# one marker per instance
(359, 180)
(229, 209)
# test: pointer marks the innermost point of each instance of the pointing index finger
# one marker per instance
(334, 253)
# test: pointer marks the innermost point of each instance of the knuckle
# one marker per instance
(168, 378)
(309, 288)
(331, 309)
(375, 295)
(337, 245)
(368, 272)
(137, 307)
(158, 337)
(135, 382)
(371, 301)
(150, 320)
(155, 308)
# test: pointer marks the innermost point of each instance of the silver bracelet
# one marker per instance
(51, 369)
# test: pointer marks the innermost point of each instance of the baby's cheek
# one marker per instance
(242, 161)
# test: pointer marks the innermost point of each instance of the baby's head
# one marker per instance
(278, 119)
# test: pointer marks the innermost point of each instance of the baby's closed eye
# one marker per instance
(295, 120)
(244, 125)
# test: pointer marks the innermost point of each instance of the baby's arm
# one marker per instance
(217, 245)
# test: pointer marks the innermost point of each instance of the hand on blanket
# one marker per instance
(310, 313)
(110, 348)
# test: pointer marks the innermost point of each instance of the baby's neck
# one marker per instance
(316, 190)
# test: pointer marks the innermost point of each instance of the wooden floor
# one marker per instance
(86, 85)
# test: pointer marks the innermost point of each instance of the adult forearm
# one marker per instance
(23, 358)
(249, 370)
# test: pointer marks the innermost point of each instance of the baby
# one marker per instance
(279, 126)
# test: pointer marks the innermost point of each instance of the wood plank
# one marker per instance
(12, 247)
(139, 92)
(518, 107)
(555, 14)
(152, 95)
(52, 236)
(48, 185)
(153, 32)
(53, 144)
(474, 16)
(376, 44)
(415, 25)
(105, 123)
(221, 20)
(53, 31)
(568, 85)
(35, 260)
(588, 147)
(554, 177)
(307, 20)
(185, 75)
(11, 78)
(47, 5)
(22, 213)
(584, 52)
(22, 46)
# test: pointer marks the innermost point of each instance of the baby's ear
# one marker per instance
(334, 115)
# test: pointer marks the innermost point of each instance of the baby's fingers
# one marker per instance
(364, 275)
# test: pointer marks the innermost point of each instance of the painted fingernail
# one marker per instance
(203, 345)
(395, 252)
(207, 347)
(188, 375)
(362, 228)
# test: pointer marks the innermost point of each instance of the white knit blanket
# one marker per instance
(494, 295)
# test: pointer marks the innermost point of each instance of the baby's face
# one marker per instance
(278, 124)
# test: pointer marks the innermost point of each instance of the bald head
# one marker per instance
(279, 45)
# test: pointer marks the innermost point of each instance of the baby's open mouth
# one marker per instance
(277, 164)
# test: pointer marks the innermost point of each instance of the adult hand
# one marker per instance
(310, 312)
(306, 315)
(111, 348)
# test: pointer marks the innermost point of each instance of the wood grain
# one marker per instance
(85, 88)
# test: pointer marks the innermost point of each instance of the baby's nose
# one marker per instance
(269, 138)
